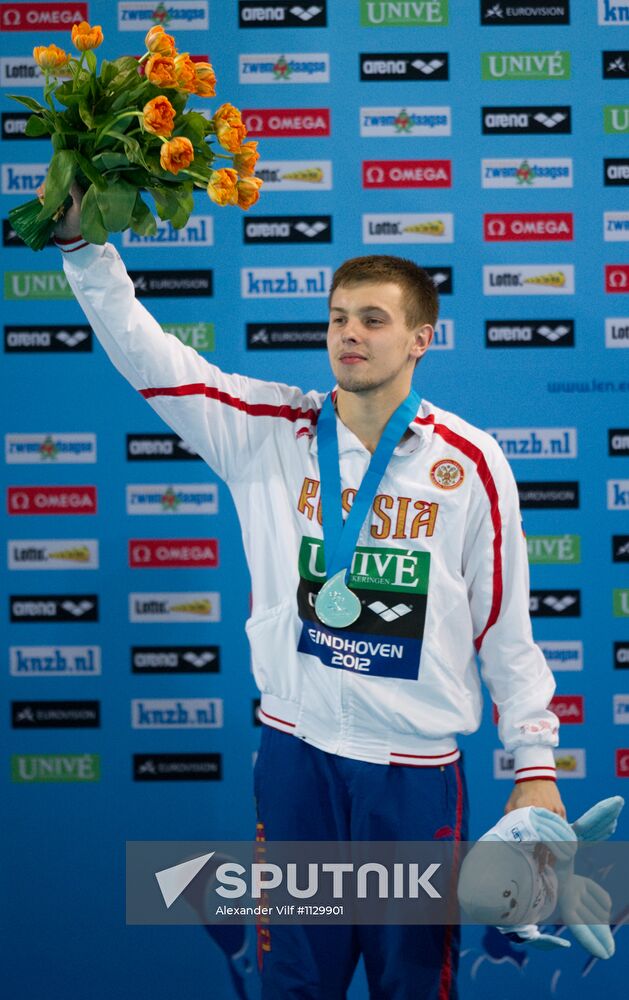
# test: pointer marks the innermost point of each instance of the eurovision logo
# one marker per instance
(500, 13)
(53, 449)
(388, 66)
(177, 767)
(55, 714)
(177, 15)
(620, 548)
(180, 606)
(169, 499)
(390, 122)
(529, 333)
(616, 65)
(527, 120)
(281, 14)
(37, 16)
(284, 336)
(407, 173)
(408, 228)
(295, 175)
(525, 65)
(289, 67)
(172, 284)
(286, 123)
(173, 553)
(542, 495)
(528, 279)
(539, 172)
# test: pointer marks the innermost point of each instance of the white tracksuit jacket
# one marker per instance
(441, 564)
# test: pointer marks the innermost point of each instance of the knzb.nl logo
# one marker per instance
(536, 442)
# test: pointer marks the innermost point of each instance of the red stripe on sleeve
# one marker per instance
(251, 409)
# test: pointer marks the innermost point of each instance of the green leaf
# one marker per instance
(116, 203)
(92, 225)
(28, 102)
(165, 202)
(192, 126)
(58, 181)
(90, 171)
(90, 59)
(110, 160)
(86, 115)
(142, 220)
(36, 126)
(185, 204)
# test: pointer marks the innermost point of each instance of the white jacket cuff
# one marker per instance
(79, 251)
(531, 763)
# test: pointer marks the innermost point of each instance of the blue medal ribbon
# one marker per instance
(335, 604)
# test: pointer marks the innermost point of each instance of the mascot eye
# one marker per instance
(507, 893)
(513, 904)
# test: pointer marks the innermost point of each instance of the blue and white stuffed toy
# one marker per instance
(519, 883)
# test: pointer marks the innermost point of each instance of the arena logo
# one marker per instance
(20, 71)
(168, 499)
(21, 178)
(616, 119)
(14, 124)
(553, 549)
(292, 67)
(408, 227)
(375, 66)
(295, 175)
(443, 339)
(179, 606)
(569, 762)
(64, 608)
(613, 13)
(33, 16)
(527, 120)
(555, 603)
(177, 713)
(33, 449)
(55, 714)
(288, 229)
(177, 767)
(616, 172)
(282, 14)
(284, 336)
(618, 441)
(621, 655)
(511, 226)
(197, 232)
(544, 495)
(175, 15)
(539, 172)
(286, 123)
(403, 13)
(562, 655)
(282, 282)
(173, 553)
(617, 331)
(617, 278)
(52, 553)
(618, 494)
(536, 442)
(159, 447)
(407, 173)
(175, 660)
(505, 14)
(55, 661)
(172, 284)
(616, 65)
(390, 122)
(620, 548)
(529, 333)
(47, 339)
(51, 500)
(528, 279)
(525, 65)
(616, 227)
(55, 767)
(443, 278)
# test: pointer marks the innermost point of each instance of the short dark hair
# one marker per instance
(419, 294)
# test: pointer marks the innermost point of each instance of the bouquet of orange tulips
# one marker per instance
(123, 132)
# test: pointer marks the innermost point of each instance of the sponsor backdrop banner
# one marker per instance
(485, 140)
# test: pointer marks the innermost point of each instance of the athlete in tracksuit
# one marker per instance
(360, 723)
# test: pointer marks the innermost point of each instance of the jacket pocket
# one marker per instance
(273, 636)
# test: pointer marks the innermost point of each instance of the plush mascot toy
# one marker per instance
(518, 883)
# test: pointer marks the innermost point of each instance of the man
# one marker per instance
(364, 627)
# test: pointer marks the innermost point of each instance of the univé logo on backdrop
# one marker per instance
(525, 65)
(282, 14)
(408, 13)
(53, 767)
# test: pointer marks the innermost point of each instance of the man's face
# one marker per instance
(369, 343)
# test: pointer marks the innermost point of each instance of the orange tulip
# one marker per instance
(223, 186)
(159, 43)
(230, 130)
(246, 159)
(50, 57)
(158, 116)
(85, 37)
(176, 155)
(185, 73)
(205, 84)
(248, 191)
(160, 70)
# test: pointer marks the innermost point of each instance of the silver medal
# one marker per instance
(336, 605)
